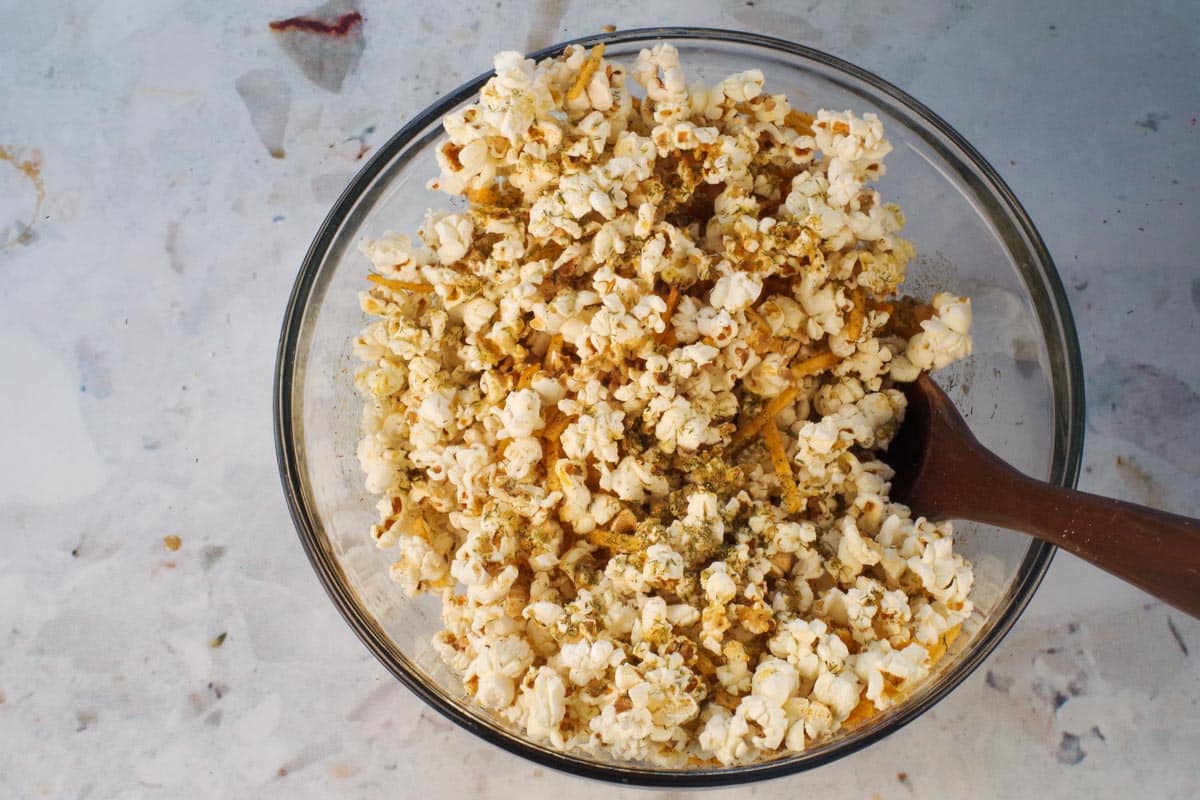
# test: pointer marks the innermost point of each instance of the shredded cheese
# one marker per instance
(400, 286)
(792, 499)
(748, 431)
(586, 72)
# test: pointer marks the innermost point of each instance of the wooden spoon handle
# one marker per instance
(1154, 550)
(955, 476)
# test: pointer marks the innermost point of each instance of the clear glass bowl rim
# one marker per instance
(1067, 392)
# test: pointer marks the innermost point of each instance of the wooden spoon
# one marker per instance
(943, 471)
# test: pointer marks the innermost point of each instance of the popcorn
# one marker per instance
(942, 572)
(620, 408)
(796, 708)
(770, 719)
(393, 255)
(452, 234)
(633, 481)
(419, 567)
(625, 732)
(546, 706)
(596, 434)
(881, 665)
(736, 291)
(543, 612)
(854, 551)
(683, 426)
(587, 662)
(520, 457)
(477, 313)
(658, 70)
(743, 86)
(796, 642)
(790, 537)
(521, 414)
(775, 680)
(719, 587)
(943, 339)
(663, 565)
(495, 667)
(725, 739)
(818, 720)
(840, 692)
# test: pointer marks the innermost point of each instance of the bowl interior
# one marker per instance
(1020, 391)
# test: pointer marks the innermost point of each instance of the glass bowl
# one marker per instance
(1021, 392)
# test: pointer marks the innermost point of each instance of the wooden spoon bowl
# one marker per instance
(942, 472)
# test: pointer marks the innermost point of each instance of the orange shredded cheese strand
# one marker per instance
(814, 364)
(751, 428)
(586, 72)
(763, 339)
(809, 366)
(860, 714)
(550, 435)
(672, 302)
(792, 500)
(420, 528)
(943, 644)
(616, 542)
(667, 336)
(756, 319)
(552, 350)
(483, 196)
(400, 286)
(907, 315)
(800, 122)
(858, 313)
(554, 430)
(526, 376)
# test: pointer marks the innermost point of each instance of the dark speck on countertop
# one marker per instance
(1069, 750)
(1183, 648)
(1150, 121)
(1001, 683)
(211, 554)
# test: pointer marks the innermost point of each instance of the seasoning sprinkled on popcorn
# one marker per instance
(622, 411)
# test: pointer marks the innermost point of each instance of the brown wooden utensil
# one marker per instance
(942, 472)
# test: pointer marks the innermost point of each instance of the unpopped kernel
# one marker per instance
(621, 414)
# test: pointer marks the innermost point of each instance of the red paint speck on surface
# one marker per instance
(340, 28)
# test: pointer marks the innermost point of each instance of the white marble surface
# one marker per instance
(138, 323)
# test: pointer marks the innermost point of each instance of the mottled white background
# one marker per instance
(187, 154)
